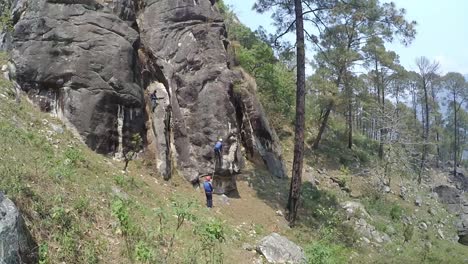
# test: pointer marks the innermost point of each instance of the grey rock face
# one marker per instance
(16, 244)
(93, 64)
(80, 64)
(260, 141)
(278, 249)
(183, 49)
(456, 203)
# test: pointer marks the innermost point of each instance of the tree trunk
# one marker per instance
(425, 133)
(323, 125)
(296, 180)
(350, 121)
(455, 135)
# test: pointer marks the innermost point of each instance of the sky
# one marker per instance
(442, 31)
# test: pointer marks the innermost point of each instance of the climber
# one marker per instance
(218, 150)
(154, 100)
(208, 191)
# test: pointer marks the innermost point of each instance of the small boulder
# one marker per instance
(223, 199)
(354, 209)
(279, 249)
(248, 247)
(386, 189)
(418, 201)
(403, 192)
(423, 226)
(441, 235)
(16, 243)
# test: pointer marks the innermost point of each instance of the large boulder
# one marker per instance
(183, 53)
(77, 60)
(94, 64)
(16, 243)
(456, 203)
(278, 249)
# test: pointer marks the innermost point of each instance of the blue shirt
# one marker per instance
(208, 187)
(218, 145)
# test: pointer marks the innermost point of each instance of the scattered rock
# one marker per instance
(278, 249)
(116, 191)
(423, 226)
(57, 128)
(279, 213)
(441, 235)
(403, 192)
(223, 199)
(386, 189)
(368, 231)
(248, 247)
(432, 211)
(418, 201)
(366, 240)
(16, 244)
(354, 209)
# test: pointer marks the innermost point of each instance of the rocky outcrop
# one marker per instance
(77, 60)
(456, 203)
(183, 46)
(16, 244)
(278, 249)
(94, 63)
(260, 141)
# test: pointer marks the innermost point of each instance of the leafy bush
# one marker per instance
(74, 155)
(144, 253)
(396, 212)
(323, 253)
(120, 211)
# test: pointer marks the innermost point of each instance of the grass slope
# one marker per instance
(81, 208)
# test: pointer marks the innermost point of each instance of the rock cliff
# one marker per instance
(94, 63)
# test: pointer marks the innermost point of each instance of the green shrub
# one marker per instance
(323, 253)
(74, 155)
(396, 212)
(120, 211)
(144, 253)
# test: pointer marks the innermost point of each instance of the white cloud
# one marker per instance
(448, 64)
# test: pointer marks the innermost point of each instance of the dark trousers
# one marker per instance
(209, 200)
(218, 157)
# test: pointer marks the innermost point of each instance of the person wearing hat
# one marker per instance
(218, 150)
(208, 191)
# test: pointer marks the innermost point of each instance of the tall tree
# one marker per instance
(427, 76)
(295, 189)
(384, 65)
(344, 30)
(457, 87)
(289, 15)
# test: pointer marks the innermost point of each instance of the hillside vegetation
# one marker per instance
(81, 207)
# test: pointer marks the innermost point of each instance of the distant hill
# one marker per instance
(466, 77)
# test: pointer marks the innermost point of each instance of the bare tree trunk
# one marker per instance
(425, 133)
(296, 180)
(455, 145)
(350, 115)
(323, 125)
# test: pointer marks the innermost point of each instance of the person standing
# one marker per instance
(208, 191)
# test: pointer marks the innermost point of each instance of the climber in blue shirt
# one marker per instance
(218, 150)
(208, 191)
